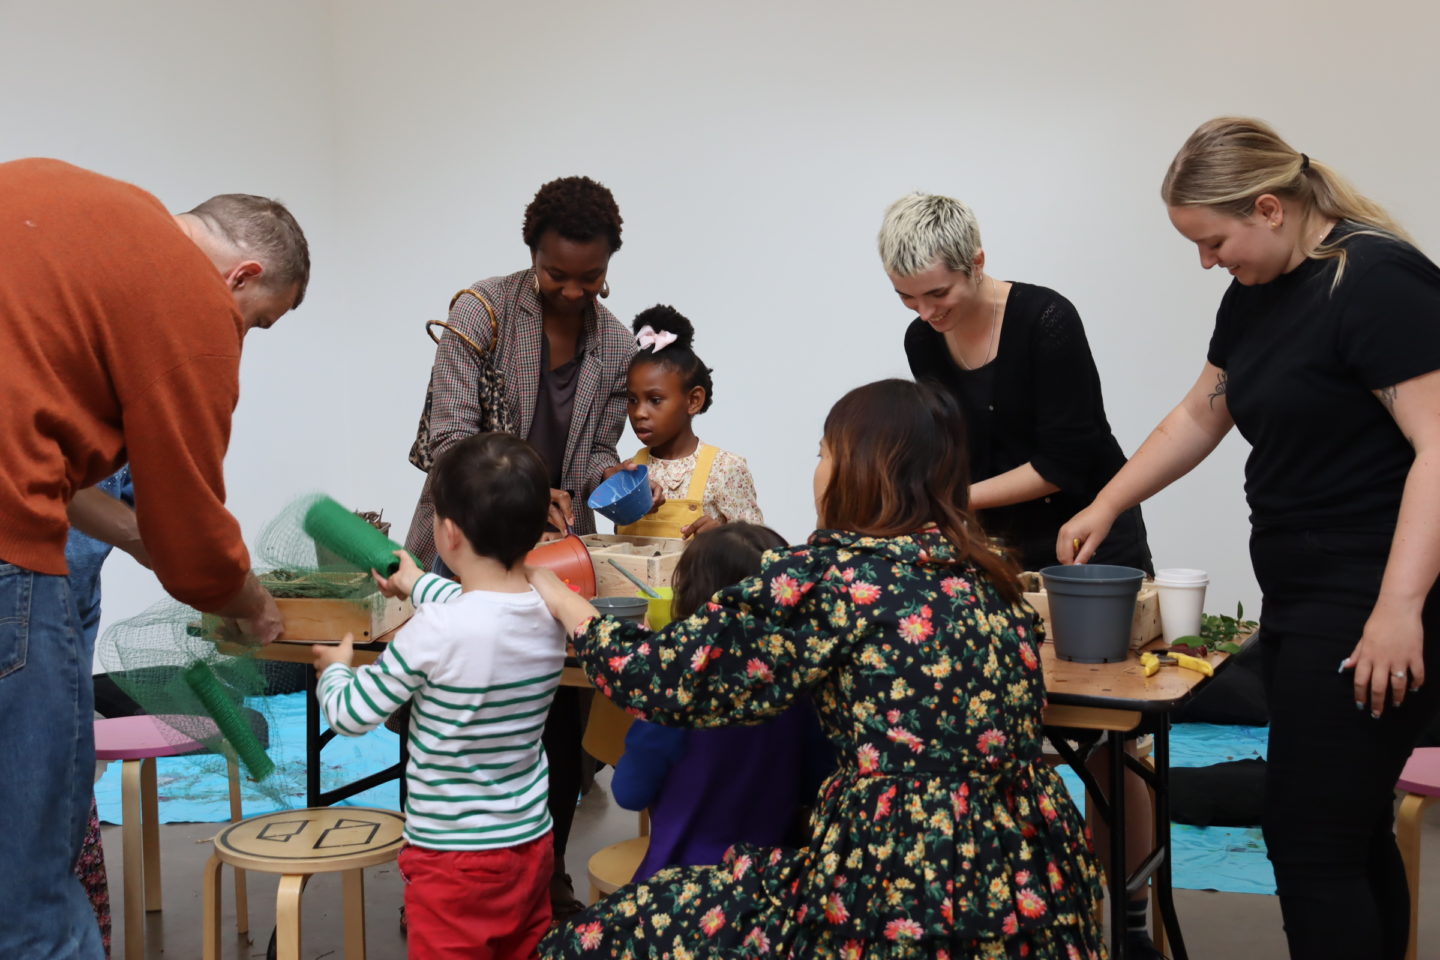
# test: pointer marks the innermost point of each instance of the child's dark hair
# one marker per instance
(496, 489)
(678, 356)
(900, 464)
(577, 208)
(718, 558)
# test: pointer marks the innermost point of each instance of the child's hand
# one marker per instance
(402, 581)
(700, 526)
(543, 579)
(565, 604)
(327, 654)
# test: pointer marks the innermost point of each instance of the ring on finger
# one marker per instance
(1400, 674)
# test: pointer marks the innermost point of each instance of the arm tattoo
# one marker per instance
(1387, 397)
(1222, 381)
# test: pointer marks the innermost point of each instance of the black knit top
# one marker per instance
(1037, 402)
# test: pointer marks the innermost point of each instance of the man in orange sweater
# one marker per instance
(120, 334)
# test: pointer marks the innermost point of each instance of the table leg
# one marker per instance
(150, 831)
(132, 846)
(312, 741)
(1164, 890)
(1118, 873)
(211, 927)
(354, 883)
(287, 917)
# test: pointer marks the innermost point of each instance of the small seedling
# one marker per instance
(1217, 633)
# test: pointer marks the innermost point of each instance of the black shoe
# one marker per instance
(1139, 946)
(563, 904)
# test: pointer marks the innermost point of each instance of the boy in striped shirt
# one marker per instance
(480, 661)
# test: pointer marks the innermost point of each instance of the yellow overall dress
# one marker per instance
(675, 513)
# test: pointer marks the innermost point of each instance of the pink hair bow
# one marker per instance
(656, 341)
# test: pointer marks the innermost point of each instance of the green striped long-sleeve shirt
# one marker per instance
(481, 669)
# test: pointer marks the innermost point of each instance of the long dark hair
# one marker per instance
(900, 464)
(717, 558)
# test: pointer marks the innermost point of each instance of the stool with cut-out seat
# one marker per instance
(137, 741)
(1420, 784)
(296, 844)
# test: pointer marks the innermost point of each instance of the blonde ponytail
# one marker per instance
(1229, 162)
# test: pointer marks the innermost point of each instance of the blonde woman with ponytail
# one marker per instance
(1326, 355)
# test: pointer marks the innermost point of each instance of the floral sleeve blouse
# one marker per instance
(940, 823)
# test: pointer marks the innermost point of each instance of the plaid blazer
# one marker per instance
(598, 414)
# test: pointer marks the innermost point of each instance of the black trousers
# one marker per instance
(563, 730)
(1330, 781)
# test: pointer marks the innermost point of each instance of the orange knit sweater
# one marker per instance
(118, 341)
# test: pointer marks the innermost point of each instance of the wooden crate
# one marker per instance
(310, 620)
(652, 559)
(1143, 628)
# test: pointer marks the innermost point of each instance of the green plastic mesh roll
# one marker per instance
(234, 727)
(350, 538)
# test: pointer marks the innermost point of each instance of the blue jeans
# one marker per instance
(47, 765)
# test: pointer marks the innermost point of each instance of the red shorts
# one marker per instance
(477, 904)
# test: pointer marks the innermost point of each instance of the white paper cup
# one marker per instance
(1182, 599)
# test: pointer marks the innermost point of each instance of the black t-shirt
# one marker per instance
(1301, 361)
(1037, 402)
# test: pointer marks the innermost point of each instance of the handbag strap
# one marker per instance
(494, 323)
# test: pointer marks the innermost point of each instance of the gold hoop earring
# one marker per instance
(537, 285)
(605, 289)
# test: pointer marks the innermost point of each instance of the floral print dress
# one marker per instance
(940, 834)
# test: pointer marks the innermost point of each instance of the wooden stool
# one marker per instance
(610, 868)
(137, 741)
(297, 844)
(1420, 783)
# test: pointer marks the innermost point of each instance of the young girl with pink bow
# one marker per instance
(668, 387)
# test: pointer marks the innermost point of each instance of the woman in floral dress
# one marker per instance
(941, 834)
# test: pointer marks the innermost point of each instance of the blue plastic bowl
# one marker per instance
(625, 497)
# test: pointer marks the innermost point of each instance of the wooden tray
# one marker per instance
(652, 559)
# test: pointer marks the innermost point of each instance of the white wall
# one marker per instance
(752, 148)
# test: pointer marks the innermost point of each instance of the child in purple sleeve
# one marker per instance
(708, 789)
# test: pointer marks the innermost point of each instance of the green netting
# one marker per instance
(171, 660)
(202, 675)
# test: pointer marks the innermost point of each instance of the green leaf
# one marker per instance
(1188, 642)
(1228, 646)
(1239, 610)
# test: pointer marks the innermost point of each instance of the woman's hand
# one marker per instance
(706, 522)
(562, 510)
(400, 583)
(1088, 528)
(1390, 657)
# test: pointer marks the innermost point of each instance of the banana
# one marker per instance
(1151, 663)
(1193, 663)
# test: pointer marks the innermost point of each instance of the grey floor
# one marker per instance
(1226, 926)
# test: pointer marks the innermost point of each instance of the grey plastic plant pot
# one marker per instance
(1091, 609)
(626, 608)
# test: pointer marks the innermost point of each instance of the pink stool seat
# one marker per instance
(139, 738)
(1422, 773)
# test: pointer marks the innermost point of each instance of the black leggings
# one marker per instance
(1329, 801)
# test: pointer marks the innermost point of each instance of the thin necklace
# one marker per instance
(994, 325)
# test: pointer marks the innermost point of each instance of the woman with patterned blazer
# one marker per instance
(564, 358)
